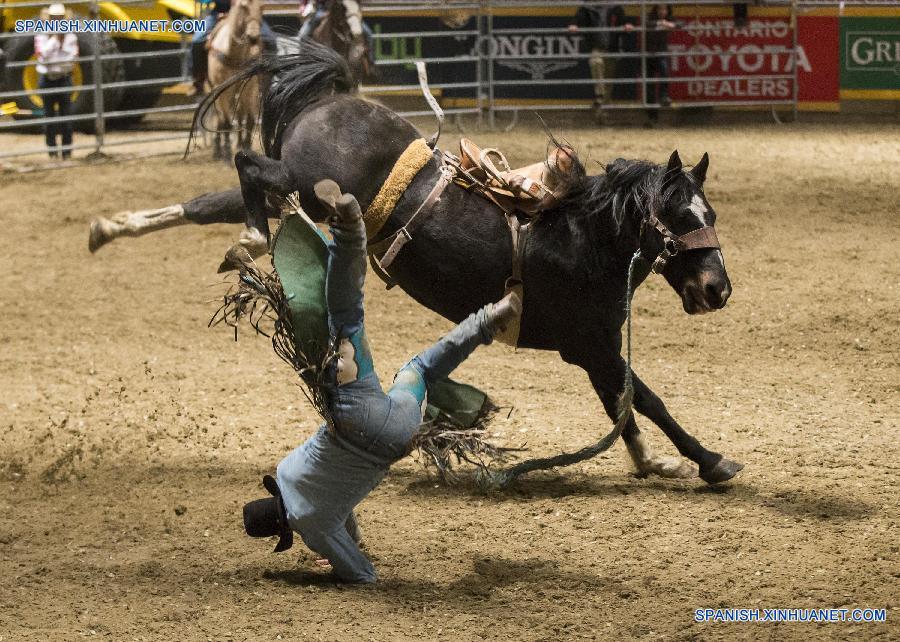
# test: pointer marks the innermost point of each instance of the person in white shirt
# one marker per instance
(56, 54)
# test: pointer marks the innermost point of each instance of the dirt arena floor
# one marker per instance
(131, 435)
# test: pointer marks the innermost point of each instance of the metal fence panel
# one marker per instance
(480, 58)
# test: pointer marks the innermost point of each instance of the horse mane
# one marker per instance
(299, 80)
(626, 188)
(294, 82)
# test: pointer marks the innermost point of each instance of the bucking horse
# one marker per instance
(573, 263)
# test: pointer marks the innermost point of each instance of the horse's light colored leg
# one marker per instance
(647, 464)
(104, 230)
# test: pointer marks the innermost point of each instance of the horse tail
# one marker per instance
(297, 81)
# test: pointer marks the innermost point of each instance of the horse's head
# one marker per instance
(337, 32)
(248, 22)
(683, 239)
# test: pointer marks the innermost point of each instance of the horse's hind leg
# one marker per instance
(714, 468)
(216, 207)
(260, 175)
(213, 207)
(104, 230)
(641, 454)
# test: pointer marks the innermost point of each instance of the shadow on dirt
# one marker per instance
(792, 502)
(536, 575)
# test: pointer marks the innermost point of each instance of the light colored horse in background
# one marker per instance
(233, 42)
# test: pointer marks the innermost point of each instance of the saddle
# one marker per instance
(526, 190)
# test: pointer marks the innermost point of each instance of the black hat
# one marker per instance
(268, 517)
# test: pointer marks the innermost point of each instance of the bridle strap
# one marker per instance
(699, 239)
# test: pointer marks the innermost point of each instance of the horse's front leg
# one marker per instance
(714, 468)
(641, 454)
(259, 175)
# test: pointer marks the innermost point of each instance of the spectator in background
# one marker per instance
(56, 54)
(313, 12)
(599, 43)
(198, 64)
(740, 14)
(657, 42)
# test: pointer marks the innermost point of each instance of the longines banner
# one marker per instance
(870, 57)
(520, 57)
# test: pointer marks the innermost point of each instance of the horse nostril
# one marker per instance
(717, 293)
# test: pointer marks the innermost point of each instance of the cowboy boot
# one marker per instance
(346, 208)
(497, 316)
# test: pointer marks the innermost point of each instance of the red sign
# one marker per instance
(754, 62)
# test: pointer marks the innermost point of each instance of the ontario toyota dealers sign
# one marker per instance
(722, 62)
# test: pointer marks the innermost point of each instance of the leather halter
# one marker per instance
(700, 239)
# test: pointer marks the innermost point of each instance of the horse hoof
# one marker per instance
(724, 470)
(98, 236)
(252, 240)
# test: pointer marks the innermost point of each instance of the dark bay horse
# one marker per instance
(575, 260)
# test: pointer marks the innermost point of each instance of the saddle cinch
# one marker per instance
(526, 190)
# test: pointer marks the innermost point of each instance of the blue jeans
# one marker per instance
(309, 25)
(328, 475)
(56, 105)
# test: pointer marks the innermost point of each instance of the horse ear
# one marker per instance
(673, 169)
(674, 165)
(611, 167)
(699, 170)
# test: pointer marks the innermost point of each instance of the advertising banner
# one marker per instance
(523, 57)
(756, 55)
(870, 57)
(537, 62)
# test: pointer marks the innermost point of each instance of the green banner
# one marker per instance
(870, 55)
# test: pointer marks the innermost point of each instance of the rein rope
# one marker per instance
(499, 479)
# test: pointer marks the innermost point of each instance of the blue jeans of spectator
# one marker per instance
(309, 25)
(59, 103)
(657, 67)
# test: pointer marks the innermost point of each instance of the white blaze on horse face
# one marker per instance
(700, 210)
(698, 207)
